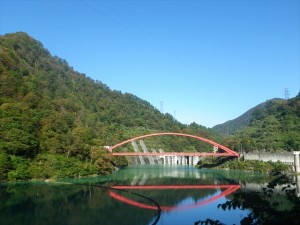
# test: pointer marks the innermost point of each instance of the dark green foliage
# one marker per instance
(268, 207)
(232, 163)
(5, 165)
(266, 210)
(19, 169)
(275, 127)
(270, 126)
(233, 126)
(255, 165)
(46, 166)
(51, 116)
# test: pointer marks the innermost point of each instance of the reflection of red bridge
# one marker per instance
(175, 157)
(228, 189)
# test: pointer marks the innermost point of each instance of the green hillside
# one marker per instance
(233, 126)
(54, 120)
(272, 128)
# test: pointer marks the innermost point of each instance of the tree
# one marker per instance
(5, 165)
(265, 208)
(100, 158)
(20, 143)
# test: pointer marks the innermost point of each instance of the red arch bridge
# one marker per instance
(181, 158)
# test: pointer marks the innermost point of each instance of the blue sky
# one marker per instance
(202, 61)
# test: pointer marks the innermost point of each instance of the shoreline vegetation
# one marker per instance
(248, 165)
(51, 173)
(55, 166)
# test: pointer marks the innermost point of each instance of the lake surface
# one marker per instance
(139, 195)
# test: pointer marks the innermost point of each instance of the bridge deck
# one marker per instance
(170, 154)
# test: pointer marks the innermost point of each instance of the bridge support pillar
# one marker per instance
(184, 159)
(175, 160)
(194, 160)
(190, 160)
(180, 160)
(155, 158)
(166, 160)
(298, 185)
(297, 161)
(297, 170)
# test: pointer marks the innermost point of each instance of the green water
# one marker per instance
(140, 195)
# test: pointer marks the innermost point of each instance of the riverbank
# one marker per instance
(249, 165)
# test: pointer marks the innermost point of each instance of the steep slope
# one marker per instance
(52, 117)
(274, 127)
(233, 126)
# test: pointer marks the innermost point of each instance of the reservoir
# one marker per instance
(138, 195)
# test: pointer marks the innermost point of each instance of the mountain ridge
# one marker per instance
(275, 127)
(231, 127)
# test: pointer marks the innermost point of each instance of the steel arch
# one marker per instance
(229, 151)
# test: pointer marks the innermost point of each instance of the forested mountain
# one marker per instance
(54, 120)
(233, 126)
(274, 126)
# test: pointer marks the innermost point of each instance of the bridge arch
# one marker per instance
(228, 150)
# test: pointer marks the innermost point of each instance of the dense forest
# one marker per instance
(231, 127)
(55, 121)
(273, 127)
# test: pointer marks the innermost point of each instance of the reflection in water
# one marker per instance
(229, 189)
(176, 189)
(276, 203)
(185, 195)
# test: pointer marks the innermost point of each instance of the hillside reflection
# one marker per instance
(183, 195)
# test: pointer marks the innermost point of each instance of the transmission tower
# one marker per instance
(286, 93)
(161, 106)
